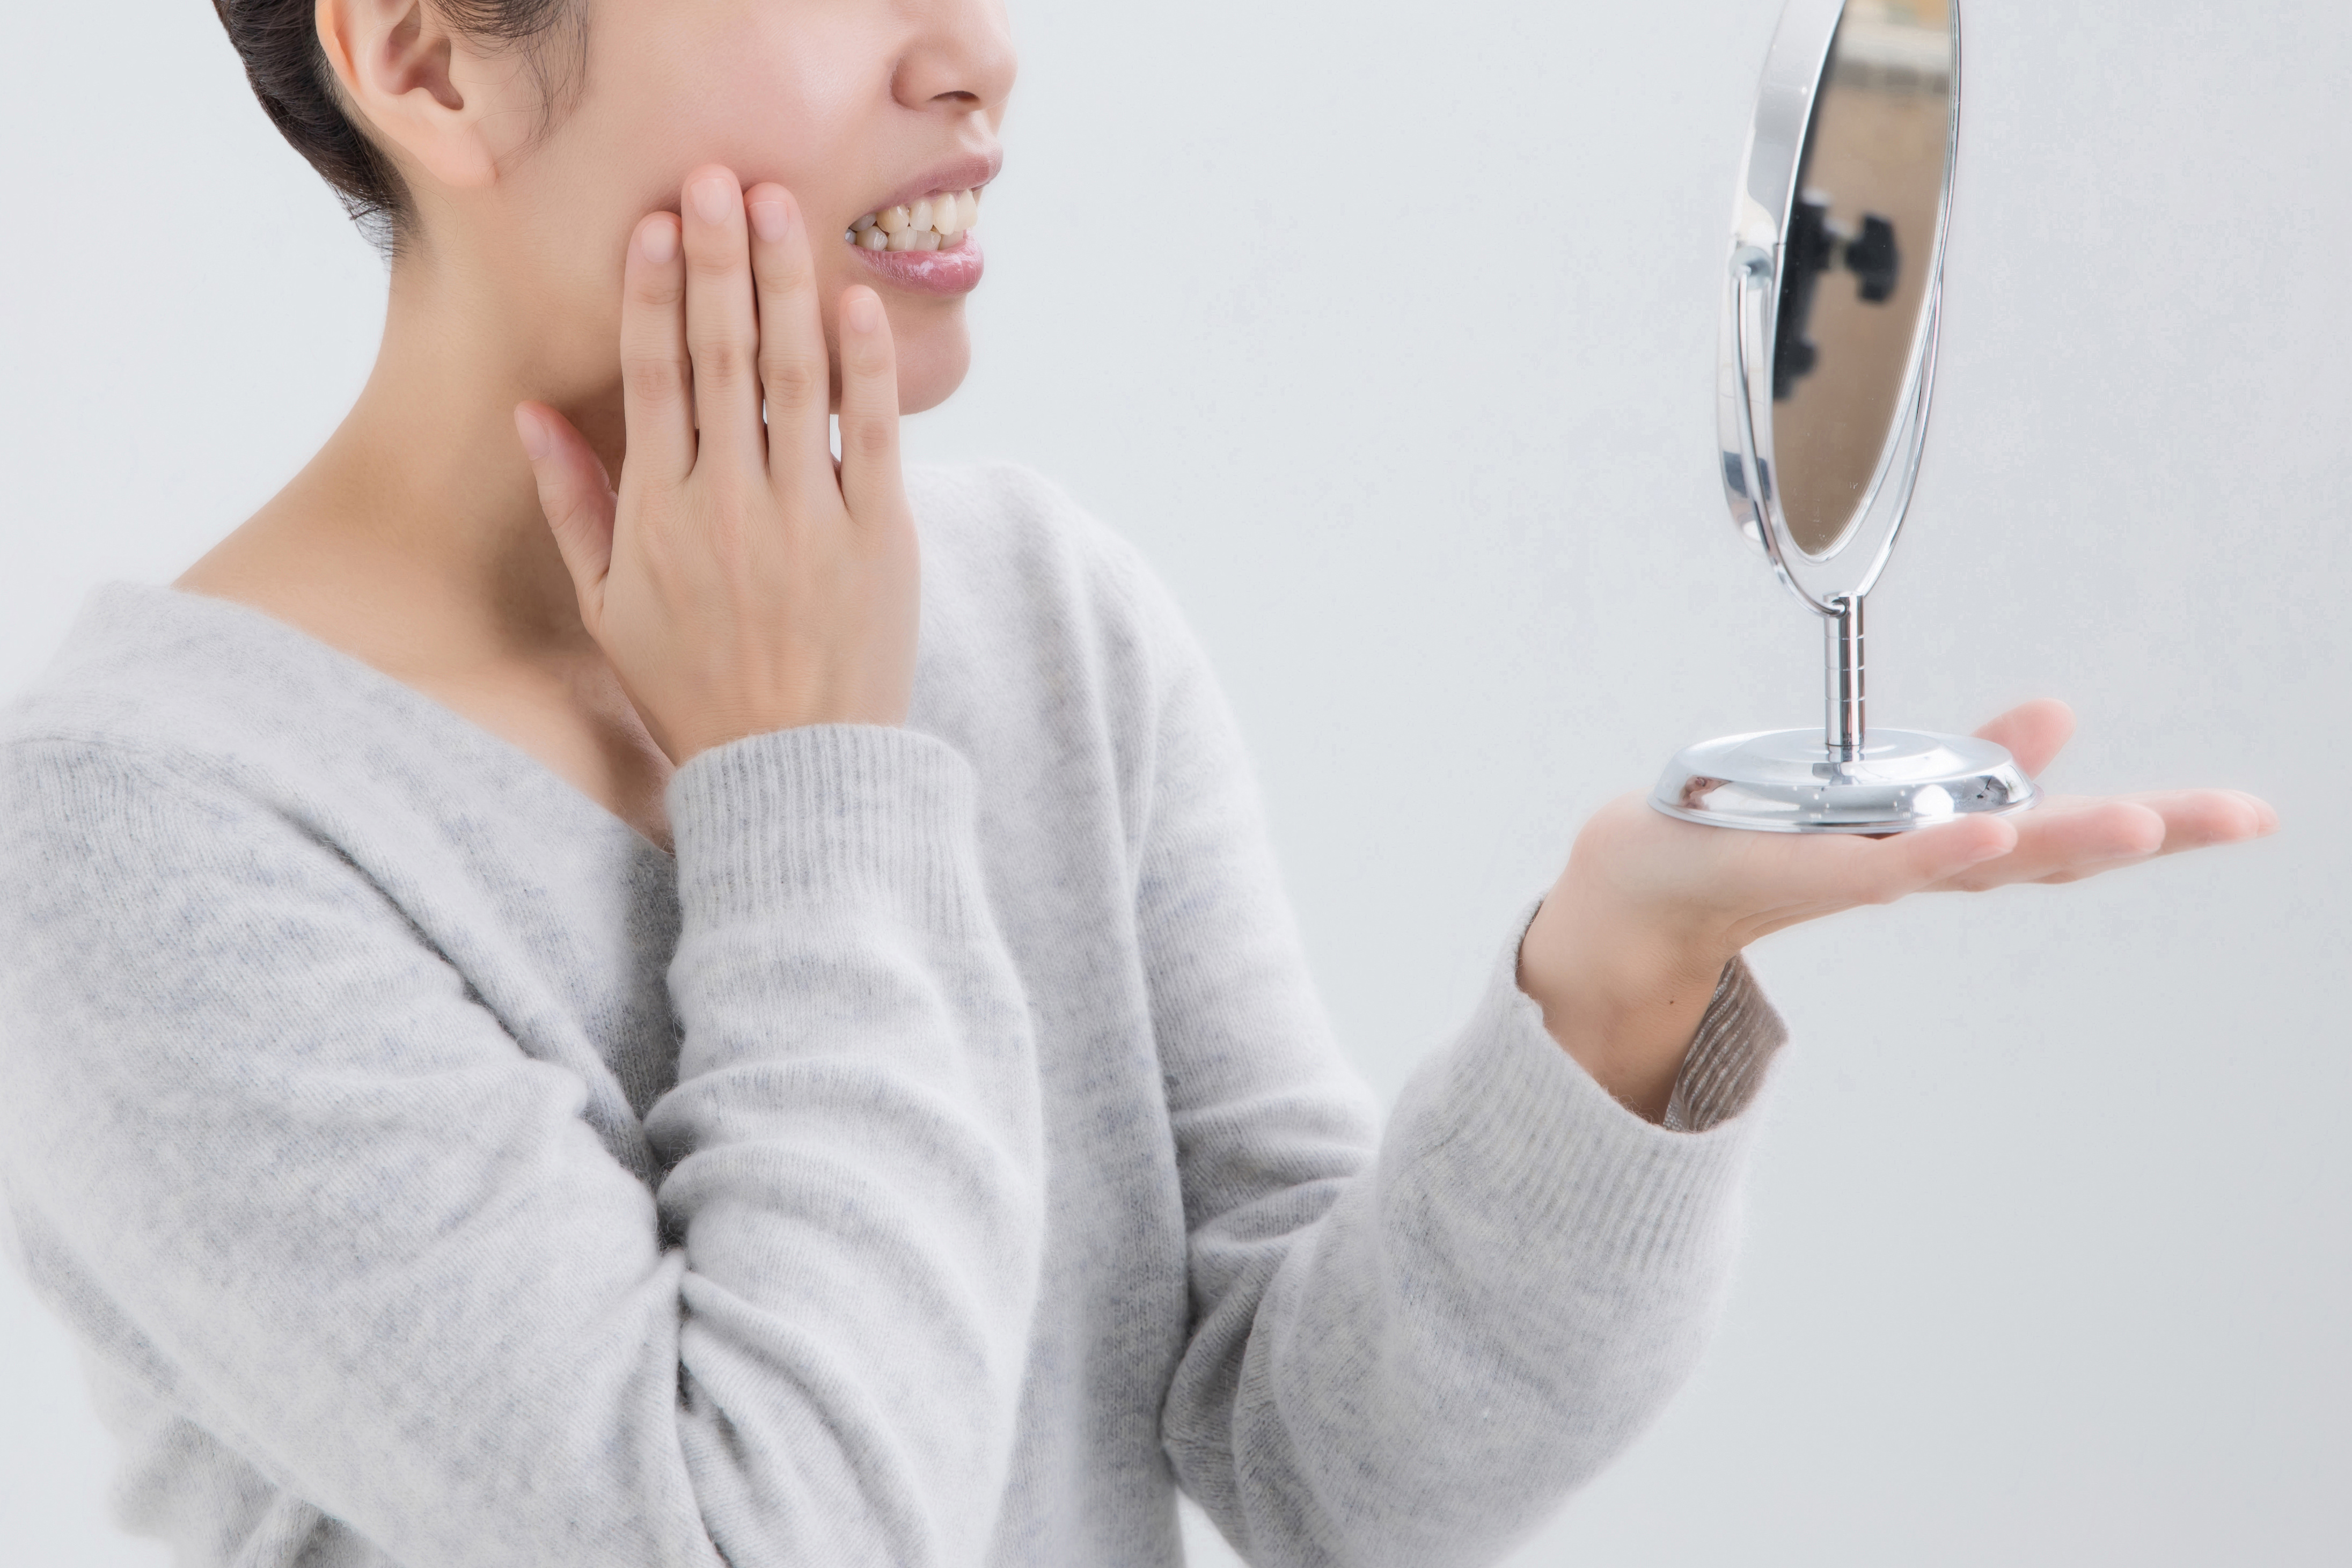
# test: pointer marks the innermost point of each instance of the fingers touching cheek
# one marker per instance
(656, 379)
(795, 369)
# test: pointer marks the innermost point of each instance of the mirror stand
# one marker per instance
(1842, 664)
(1844, 777)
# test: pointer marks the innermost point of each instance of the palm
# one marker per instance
(1738, 886)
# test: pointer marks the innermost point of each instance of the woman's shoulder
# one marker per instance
(141, 670)
(196, 695)
(101, 768)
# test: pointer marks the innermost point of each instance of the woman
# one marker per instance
(747, 1016)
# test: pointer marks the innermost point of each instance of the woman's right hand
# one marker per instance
(740, 581)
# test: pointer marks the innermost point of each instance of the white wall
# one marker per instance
(1406, 389)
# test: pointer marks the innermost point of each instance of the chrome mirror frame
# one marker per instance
(1844, 778)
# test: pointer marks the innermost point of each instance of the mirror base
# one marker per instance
(1789, 781)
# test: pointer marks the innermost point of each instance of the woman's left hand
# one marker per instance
(1624, 954)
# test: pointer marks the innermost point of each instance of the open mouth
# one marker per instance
(932, 223)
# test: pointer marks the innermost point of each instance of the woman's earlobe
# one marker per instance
(403, 74)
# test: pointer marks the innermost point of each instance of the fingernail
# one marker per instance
(659, 242)
(712, 199)
(533, 433)
(1989, 852)
(863, 310)
(769, 220)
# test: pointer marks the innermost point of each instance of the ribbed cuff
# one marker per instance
(825, 811)
(1520, 1118)
(1736, 1043)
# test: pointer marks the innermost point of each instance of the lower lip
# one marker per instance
(953, 271)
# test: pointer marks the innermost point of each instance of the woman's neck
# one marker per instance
(415, 543)
(415, 536)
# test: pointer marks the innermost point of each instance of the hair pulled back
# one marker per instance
(279, 42)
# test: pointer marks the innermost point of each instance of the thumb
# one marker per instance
(576, 496)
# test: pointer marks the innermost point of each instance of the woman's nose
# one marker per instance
(961, 54)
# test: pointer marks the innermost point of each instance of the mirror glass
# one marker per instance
(1861, 237)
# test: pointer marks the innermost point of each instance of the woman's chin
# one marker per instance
(933, 355)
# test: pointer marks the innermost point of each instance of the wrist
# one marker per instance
(1621, 989)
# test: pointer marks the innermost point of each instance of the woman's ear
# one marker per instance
(428, 94)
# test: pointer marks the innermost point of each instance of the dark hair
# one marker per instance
(279, 42)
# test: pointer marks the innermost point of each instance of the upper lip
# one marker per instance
(968, 173)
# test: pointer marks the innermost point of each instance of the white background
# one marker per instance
(1388, 331)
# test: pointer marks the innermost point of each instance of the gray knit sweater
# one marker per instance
(938, 1162)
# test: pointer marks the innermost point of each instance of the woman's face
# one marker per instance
(854, 106)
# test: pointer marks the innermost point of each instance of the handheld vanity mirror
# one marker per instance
(1829, 347)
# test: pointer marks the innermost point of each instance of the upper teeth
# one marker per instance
(925, 224)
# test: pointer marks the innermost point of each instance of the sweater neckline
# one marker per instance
(427, 711)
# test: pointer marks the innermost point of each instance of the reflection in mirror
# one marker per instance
(1854, 285)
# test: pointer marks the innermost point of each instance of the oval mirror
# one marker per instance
(1829, 330)
(1870, 196)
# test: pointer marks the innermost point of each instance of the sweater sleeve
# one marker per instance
(374, 1247)
(1406, 1347)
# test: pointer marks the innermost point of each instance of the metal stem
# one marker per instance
(1846, 727)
